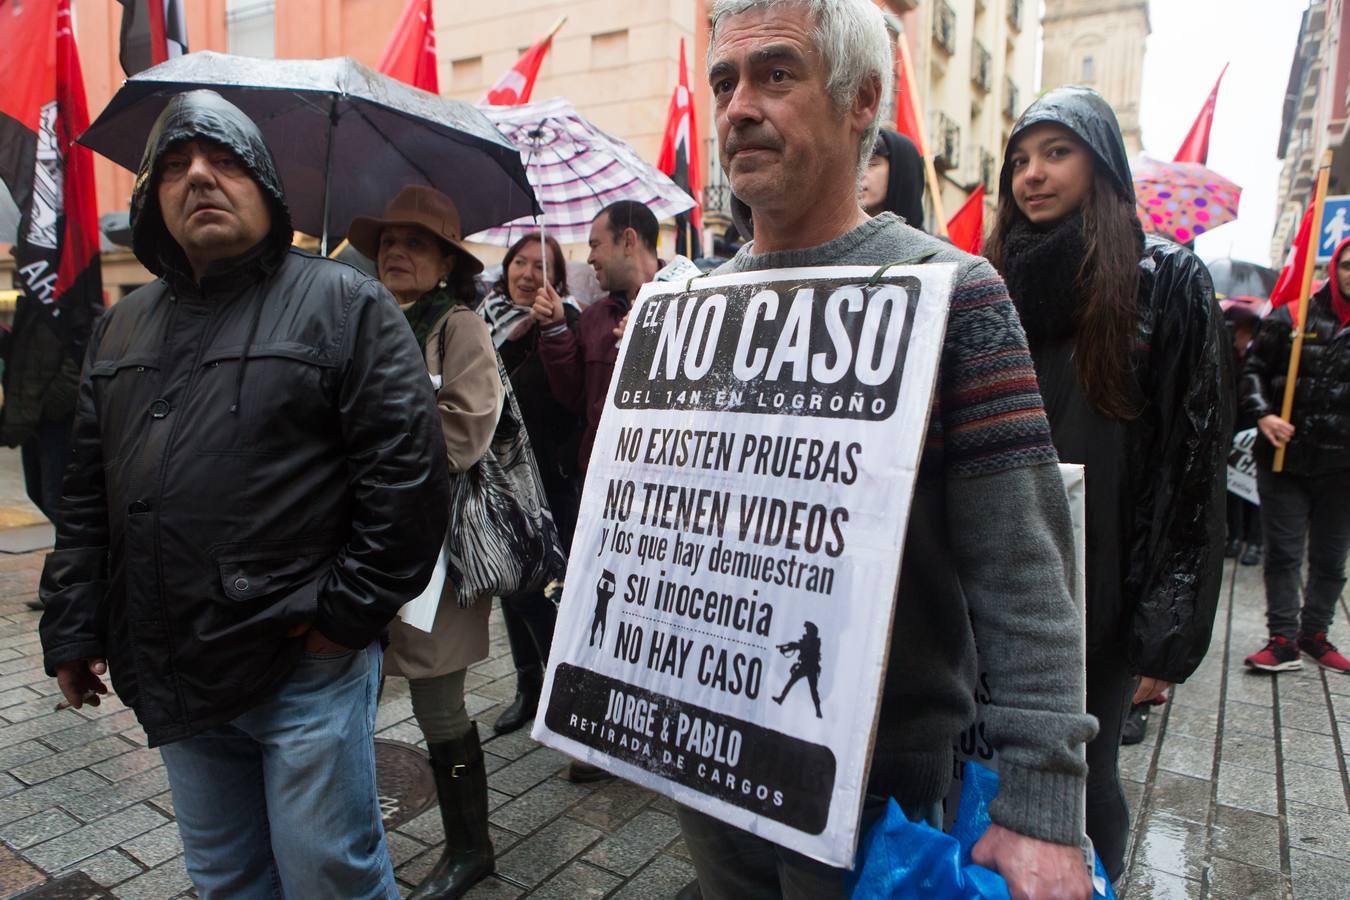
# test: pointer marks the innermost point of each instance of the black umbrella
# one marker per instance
(1239, 278)
(345, 137)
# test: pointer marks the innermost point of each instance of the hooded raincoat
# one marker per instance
(1321, 413)
(1155, 537)
(254, 450)
(904, 187)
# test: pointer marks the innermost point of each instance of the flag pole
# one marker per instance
(557, 26)
(930, 171)
(1314, 241)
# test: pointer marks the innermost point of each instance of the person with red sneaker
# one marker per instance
(1308, 503)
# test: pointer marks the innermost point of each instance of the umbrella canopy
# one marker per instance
(576, 170)
(345, 137)
(1182, 200)
(1240, 278)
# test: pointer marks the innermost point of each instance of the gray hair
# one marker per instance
(852, 38)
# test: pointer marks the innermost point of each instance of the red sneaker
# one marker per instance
(1279, 655)
(1323, 652)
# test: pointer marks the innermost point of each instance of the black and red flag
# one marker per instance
(153, 31)
(42, 111)
(679, 159)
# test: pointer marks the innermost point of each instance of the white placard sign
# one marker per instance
(726, 617)
(1242, 467)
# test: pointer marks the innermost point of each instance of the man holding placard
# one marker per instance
(765, 433)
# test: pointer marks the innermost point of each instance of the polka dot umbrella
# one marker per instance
(1182, 200)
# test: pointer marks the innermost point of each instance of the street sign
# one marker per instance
(1335, 227)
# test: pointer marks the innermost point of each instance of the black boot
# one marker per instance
(529, 682)
(461, 787)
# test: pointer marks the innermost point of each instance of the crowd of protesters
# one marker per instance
(261, 474)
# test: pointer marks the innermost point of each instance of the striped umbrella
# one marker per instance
(1182, 200)
(576, 170)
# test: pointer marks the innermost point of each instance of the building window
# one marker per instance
(1089, 74)
(609, 49)
(948, 143)
(251, 27)
(1012, 104)
(988, 171)
(981, 67)
(944, 26)
(466, 73)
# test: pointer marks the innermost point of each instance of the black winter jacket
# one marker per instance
(1175, 451)
(252, 452)
(1321, 413)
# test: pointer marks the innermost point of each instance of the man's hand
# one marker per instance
(1034, 869)
(1276, 430)
(621, 327)
(80, 682)
(1149, 688)
(548, 306)
(315, 642)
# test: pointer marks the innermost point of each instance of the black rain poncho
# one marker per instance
(254, 449)
(1175, 453)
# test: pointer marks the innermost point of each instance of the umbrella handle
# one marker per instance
(328, 175)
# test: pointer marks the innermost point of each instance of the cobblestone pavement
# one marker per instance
(1240, 789)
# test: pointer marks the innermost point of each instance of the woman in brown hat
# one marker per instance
(420, 259)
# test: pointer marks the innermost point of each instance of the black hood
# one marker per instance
(904, 190)
(200, 114)
(1084, 112)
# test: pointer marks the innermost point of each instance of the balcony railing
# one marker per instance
(944, 26)
(981, 67)
(1012, 103)
(947, 143)
(717, 199)
(988, 171)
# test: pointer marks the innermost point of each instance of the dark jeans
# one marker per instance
(530, 618)
(1298, 510)
(1244, 520)
(44, 457)
(736, 865)
(1110, 685)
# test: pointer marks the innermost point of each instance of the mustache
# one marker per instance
(738, 140)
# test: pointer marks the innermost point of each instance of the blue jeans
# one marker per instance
(281, 802)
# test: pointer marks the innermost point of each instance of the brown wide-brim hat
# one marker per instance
(420, 206)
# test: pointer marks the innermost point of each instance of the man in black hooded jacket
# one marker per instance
(258, 485)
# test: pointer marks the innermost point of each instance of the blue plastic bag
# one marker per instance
(902, 859)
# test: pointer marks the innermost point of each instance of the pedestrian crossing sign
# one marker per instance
(1335, 226)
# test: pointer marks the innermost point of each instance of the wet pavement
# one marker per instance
(1239, 790)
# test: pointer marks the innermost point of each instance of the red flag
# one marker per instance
(906, 113)
(1291, 276)
(966, 228)
(50, 176)
(411, 54)
(153, 31)
(679, 147)
(1195, 148)
(515, 86)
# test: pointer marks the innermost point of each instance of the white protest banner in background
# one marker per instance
(1242, 467)
(726, 617)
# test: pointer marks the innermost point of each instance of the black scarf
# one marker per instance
(1040, 267)
(427, 310)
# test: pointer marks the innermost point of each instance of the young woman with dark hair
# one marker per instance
(1133, 366)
